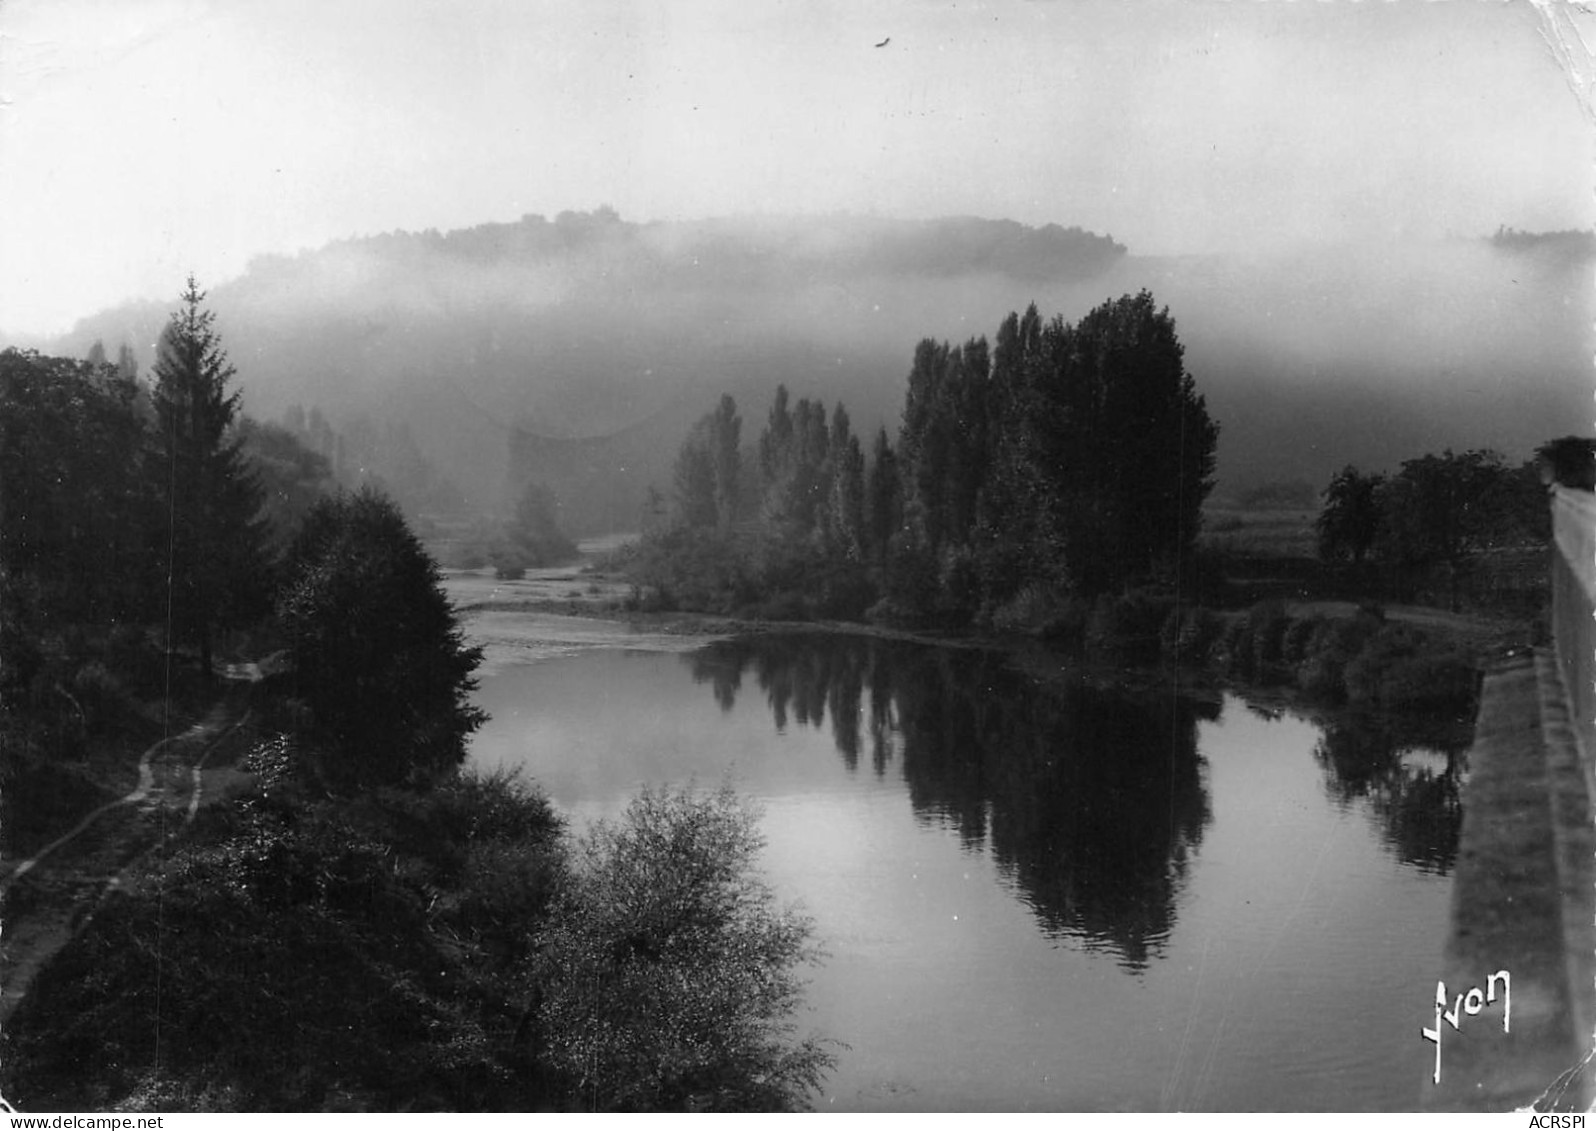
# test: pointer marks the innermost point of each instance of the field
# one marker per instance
(1286, 533)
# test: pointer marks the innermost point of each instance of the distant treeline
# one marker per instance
(1572, 244)
(743, 252)
(1057, 461)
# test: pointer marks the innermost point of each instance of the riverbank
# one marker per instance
(236, 934)
(281, 858)
(1397, 657)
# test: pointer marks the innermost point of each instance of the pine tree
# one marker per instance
(213, 539)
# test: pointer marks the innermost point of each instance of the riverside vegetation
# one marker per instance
(357, 921)
(1052, 484)
(353, 920)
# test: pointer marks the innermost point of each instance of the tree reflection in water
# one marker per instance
(1410, 773)
(1091, 801)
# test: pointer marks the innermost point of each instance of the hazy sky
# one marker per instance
(142, 139)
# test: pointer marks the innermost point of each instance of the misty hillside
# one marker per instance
(589, 344)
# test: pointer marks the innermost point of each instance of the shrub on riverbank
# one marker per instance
(1401, 667)
(668, 969)
(1129, 627)
(1360, 659)
(431, 949)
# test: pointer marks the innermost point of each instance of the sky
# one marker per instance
(141, 140)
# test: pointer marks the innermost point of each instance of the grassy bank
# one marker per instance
(438, 948)
(1332, 651)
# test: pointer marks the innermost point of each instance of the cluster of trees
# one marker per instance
(152, 517)
(127, 503)
(466, 955)
(1431, 521)
(532, 537)
(1069, 460)
(76, 498)
(786, 522)
(1571, 244)
(359, 453)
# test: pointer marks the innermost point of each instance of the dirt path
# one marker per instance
(52, 895)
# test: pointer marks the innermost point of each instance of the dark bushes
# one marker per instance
(1129, 627)
(293, 957)
(1189, 634)
(1400, 667)
(1360, 659)
(377, 654)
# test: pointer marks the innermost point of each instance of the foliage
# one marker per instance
(1189, 633)
(690, 567)
(796, 465)
(79, 577)
(362, 955)
(1360, 659)
(1109, 448)
(669, 971)
(532, 538)
(1400, 668)
(208, 520)
(708, 470)
(1349, 523)
(1074, 458)
(1442, 511)
(1129, 626)
(291, 476)
(388, 457)
(884, 501)
(74, 510)
(695, 484)
(377, 654)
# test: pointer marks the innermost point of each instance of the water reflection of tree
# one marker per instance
(1091, 801)
(1379, 759)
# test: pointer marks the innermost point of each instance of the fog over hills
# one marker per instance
(596, 341)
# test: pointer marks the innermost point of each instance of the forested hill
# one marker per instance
(588, 324)
(620, 334)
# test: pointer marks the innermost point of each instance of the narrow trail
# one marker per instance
(51, 896)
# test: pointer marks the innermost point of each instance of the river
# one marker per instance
(1040, 894)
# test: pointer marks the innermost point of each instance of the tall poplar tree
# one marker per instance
(213, 538)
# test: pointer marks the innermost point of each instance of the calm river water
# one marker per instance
(1064, 898)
